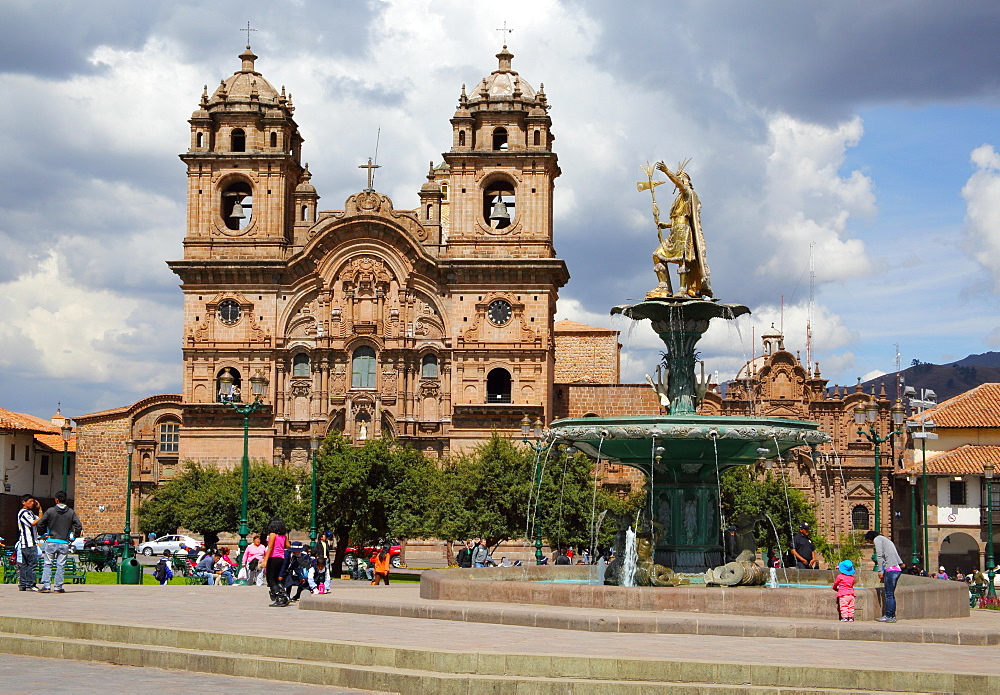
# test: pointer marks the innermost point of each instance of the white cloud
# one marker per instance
(982, 220)
(809, 201)
(57, 329)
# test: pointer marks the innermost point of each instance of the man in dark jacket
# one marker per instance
(464, 557)
(58, 522)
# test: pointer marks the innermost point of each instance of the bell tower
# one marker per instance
(502, 168)
(243, 169)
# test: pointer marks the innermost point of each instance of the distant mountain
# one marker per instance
(946, 380)
(987, 359)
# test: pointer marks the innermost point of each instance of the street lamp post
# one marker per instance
(314, 442)
(128, 571)
(258, 386)
(868, 414)
(914, 558)
(67, 432)
(927, 400)
(988, 474)
(527, 429)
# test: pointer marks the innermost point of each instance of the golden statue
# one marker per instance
(685, 244)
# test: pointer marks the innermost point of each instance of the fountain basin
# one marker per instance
(682, 479)
(916, 597)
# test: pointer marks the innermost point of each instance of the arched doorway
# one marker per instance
(498, 386)
(959, 551)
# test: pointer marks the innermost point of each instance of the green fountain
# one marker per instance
(682, 454)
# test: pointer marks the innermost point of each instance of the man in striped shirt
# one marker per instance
(28, 539)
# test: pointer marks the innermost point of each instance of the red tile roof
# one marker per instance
(978, 407)
(965, 460)
(567, 326)
(54, 442)
(9, 420)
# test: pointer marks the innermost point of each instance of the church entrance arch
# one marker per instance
(959, 551)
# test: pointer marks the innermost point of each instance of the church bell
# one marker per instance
(237, 212)
(500, 211)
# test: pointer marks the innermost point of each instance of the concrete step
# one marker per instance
(396, 669)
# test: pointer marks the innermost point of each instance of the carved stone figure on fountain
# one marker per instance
(684, 245)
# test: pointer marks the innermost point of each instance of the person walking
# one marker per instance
(274, 558)
(803, 549)
(843, 584)
(464, 556)
(27, 543)
(381, 562)
(888, 562)
(58, 522)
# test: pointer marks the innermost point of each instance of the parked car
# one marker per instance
(171, 543)
(351, 553)
(107, 540)
(78, 544)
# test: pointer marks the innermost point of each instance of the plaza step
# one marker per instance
(408, 670)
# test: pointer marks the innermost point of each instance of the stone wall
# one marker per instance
(604, 400)
(590, 356)
(101, 467)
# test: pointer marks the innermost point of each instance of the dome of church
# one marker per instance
(503, 83)
(246, 84)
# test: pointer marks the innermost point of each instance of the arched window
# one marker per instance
(300, 365)
(169, 436)
(538, 137)
(499, 204)
(363, 368)
(860, 518)
(499, 138)
(444, 191)
(199, 139)
(429, 366)
(228, 385)
(274, 139)
(461, 138)
(498, 386)
(238, 140)
(237, 205)
(305, 213)
(429, 207)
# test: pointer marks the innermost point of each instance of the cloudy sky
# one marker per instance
(865, 130)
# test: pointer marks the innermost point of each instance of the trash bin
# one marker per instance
(130, 572)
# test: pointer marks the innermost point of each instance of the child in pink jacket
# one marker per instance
(844, 586)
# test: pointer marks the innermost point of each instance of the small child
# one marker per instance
(844, 586)
(163, 573)
(317, 576)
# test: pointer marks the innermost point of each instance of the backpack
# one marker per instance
(162, 571)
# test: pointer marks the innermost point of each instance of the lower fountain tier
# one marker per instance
(682, 493)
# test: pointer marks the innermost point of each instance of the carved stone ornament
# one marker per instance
(365, 275)
(389, 383)
(300, 388)
(430, 388)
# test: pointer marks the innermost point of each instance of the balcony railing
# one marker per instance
(498, 398)
(984, 519)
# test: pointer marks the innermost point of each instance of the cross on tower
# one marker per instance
(504, 31)
(371, 173)
(248, 30)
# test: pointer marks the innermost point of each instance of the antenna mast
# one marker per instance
(809, 313)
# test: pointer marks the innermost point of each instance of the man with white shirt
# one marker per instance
(28, 543)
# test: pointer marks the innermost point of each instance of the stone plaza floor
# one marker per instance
(244, 611)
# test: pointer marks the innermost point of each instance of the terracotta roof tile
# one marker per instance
(54, 442)
(567, 326)
(965, 460)
(9, 420)
(978, 407)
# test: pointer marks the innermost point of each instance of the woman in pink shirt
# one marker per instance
(274, 558)
(253, 559)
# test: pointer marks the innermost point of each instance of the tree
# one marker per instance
(205, 500)
(746, 492)
(372, 492)
(490, 493)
